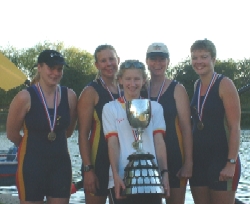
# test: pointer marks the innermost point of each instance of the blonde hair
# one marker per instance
(36, 78)
(204, 45)
(142, 69)
(99, 49)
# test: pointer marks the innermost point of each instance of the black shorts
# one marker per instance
(208, 175)
(39, 177)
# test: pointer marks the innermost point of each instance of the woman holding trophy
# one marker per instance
(125, 141)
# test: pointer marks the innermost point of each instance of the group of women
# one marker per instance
(205, 153)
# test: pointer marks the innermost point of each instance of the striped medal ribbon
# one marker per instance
(52, 134)
(107, 88)
(160, 91)
(200, 124)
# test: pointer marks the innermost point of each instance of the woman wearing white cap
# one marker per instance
(174, 100)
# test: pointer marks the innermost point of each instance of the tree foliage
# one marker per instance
(238, 72)
(184, 73)
(79, 72)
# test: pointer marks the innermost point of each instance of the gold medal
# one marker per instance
(200, 125)
(52, 123)
(200, 107)
(135, 145)
(52, 136)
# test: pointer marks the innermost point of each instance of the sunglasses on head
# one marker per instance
(55, 55)
(130, 64)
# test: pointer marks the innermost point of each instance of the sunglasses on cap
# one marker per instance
(132, 64)
(53, 54)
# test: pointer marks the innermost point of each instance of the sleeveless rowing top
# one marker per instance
(212, 140)
(173, 138)
(98, 144)
(36, 126)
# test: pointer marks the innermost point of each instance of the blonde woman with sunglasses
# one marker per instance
(119, 135)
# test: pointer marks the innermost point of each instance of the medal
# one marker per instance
(51, 136)
(200, 125)
(135, 145)
(200, 108)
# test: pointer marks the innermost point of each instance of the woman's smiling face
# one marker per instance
(132, 82)
(202, 62)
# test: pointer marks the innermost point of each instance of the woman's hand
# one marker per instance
(119, 186)
(185, 171)
(227, 172)
(91, 183)
(165, 182)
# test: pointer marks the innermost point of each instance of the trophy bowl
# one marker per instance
(138, 113)
(141, 175)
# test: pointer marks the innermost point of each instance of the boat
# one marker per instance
(8, 166)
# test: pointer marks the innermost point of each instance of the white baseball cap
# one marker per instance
(157, 49)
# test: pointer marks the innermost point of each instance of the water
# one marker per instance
(243, 192)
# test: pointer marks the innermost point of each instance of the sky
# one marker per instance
(129, 25)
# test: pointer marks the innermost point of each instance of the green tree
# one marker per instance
(238, 72)
(184, 73)
(80, 69)
(79, 72)
(244, 68)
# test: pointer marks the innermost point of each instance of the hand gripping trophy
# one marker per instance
(141, 173)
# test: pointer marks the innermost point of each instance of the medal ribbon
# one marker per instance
(135, 135)
(51, 123)
(200, 109)
(104, 85)
(160, 91)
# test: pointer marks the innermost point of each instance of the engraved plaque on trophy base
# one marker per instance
(141, 175)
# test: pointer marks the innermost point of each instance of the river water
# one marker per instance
(243, 192)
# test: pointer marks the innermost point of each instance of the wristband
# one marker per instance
(87, 168)
(163, 171)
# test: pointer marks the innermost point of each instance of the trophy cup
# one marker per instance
(141, 175)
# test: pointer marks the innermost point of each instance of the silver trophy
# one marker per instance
(141, 175)
(139, 115)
